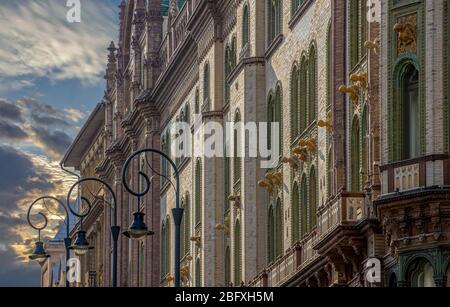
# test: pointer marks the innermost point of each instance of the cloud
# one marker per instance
(38, 124)
(11, 131)
(29, 177)
(10, 111)
(75, 115)
(40, 41)
(55, 142)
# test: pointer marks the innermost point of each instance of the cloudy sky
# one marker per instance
(51, 77)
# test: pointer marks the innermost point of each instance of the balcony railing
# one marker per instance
(297, 258)
(345, 208)
(177, 32)
(411, 174)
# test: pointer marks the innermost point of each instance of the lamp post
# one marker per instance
(81, 245)
(138, 228)
(39, 253)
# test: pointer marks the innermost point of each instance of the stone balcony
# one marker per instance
(408, 175)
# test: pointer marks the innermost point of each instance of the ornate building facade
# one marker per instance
(362, 179)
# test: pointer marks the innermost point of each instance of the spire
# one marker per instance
(111, 67)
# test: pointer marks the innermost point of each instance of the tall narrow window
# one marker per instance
(198, 193)
(358, 21)
(364, 146)
(304, 206)
(313, 195)
(271, 235)
(237, 254)
(198, 273)
(167, 245)
(303, 101)
(279, 229)
(295, 232)
(245, 26)
(197, 102)
(312, 85)
(355, 157)
(183, 230)
(273, 20)
(206, 88)
(237, 150)
(227, 72)
(411, 113)
(187, 217)
(278, 117)
(233, 52)
(294, 103)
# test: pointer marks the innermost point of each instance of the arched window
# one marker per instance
(304, 206)
(303, 101)
(411, 137)
(295, 214)
(206, 87)
(271, 235)
(237, 254)
(364, 145)
(185, 226)
(313, 195)
(198, 193)
(355, 157)
(227, 267)
(278, 116)
(312, 85)
(237, 158)
(405, 130)
(227, 72)
(245, 26)
(233, 58)
(165, 248)
(358, 35)
(183, 230)
(273, 20)
(421, 274)
(274, 116)
(279, 229)
(168, 245)
(197, 102)
(330, 173)
(294, 103)
(198, 273)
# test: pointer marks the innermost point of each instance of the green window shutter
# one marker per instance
(312, 85)
(313, 195)
(295, 232)
(270, 235)
(237, 254)
(279, 229)
(355, 156)
(304, 206)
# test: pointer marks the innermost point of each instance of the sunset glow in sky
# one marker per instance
(51, 76)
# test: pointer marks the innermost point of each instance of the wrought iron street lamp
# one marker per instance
(81, 245)
(138, 230)
(39, 254)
